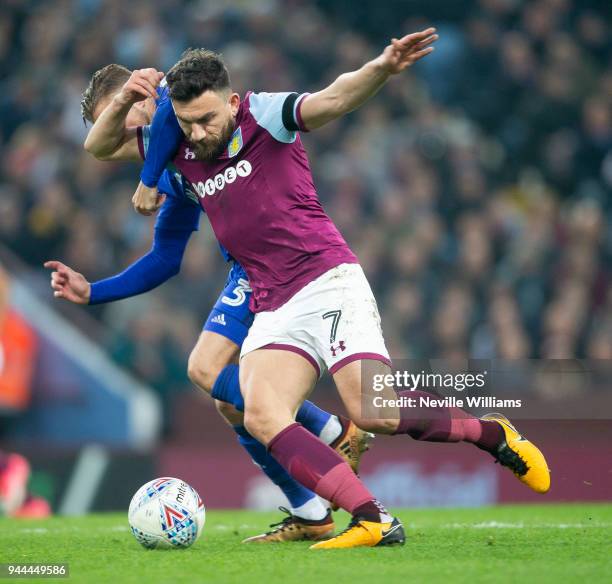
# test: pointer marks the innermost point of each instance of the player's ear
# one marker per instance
(234, 102)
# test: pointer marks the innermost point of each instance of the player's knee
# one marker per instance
(201, 372)
(230, 413)
(255, 421)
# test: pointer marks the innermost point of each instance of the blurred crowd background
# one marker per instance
(475, 189)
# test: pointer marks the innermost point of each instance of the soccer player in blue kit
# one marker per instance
(117, 93)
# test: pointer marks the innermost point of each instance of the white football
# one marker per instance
(166, 513)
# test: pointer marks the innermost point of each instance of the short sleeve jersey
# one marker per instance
(261, 201)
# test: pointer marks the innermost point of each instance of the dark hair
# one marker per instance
(104, 82)
(197, 71)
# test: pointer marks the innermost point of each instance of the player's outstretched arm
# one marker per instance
(109, 138)
(151, 270)
(352, 89)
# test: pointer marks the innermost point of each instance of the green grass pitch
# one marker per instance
(554, 543)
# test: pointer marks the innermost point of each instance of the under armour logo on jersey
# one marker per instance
(189, 154)
(341, 347)
(219, 319)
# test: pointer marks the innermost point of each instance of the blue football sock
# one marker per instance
(312, 418)
(227, 387)
(297, 494)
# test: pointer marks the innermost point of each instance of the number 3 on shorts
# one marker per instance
(240, 293)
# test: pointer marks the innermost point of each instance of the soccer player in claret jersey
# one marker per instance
(314, 307)
(211, 364)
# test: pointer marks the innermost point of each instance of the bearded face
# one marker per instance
(208, 122)
(211, 147)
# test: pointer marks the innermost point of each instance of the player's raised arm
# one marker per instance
(109, 137)
(163, 140)
(351, 90)
(165, 136)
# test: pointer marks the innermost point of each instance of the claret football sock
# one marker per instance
(318, 467)
(296, 494)
(443, 424)
(373, 511)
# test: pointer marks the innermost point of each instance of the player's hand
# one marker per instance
(147, 200)
(402, 53)
(68, 284)
(141, 84)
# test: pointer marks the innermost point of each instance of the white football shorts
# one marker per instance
(331, 322)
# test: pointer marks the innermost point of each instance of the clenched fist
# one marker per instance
(141, 84)
(147, 200)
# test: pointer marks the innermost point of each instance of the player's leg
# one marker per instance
(269, 416)
(308, 518)
(303, 502)
(353, 345)
(421, 422)
(212, 366)
(214, 356)
(207, 370)
(492, 433)
(339, 432)
(354, 352)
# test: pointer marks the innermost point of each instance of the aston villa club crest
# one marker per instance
(235, 144)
